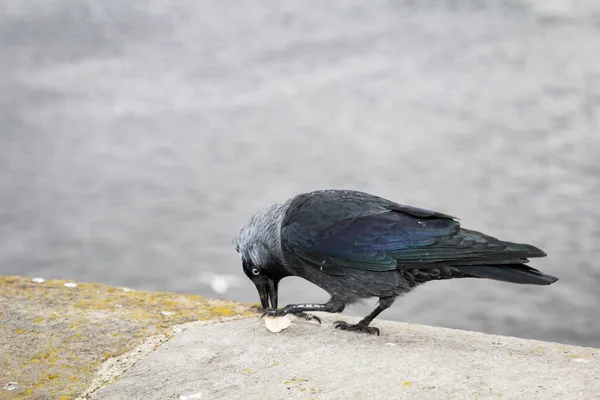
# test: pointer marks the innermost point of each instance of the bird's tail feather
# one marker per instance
(517, 273)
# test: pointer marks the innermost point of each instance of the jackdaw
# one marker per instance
(356, 246)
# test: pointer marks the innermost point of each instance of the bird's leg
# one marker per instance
(301, 310)
(363, 325)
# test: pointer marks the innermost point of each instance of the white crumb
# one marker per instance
(277, 324)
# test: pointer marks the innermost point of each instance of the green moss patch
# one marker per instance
(54, 337)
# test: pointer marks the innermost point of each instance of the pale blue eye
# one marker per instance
(255, 271)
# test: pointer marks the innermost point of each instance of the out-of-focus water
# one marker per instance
(138, 137)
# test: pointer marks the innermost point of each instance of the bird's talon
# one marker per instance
(306, 316)
(344, 326)
(275, 313)
(257, 309)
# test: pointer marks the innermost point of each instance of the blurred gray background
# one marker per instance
(137, 137)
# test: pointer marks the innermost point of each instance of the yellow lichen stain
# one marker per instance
(276, 364)
(406, 383)
(295, 380)
(247, 371)
(50, 355)
(223, 311)
(18, 331)
(66, 318)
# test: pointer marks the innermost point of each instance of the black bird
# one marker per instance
(356, 245)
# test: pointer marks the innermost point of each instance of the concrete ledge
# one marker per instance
(97, 342)
(55, 335)
(242, 360)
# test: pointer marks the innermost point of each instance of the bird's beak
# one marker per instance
(267, 292)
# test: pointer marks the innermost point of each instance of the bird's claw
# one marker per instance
(306, 316)
(282, 311)
(273, 313)
(344, 326)
(257, 309)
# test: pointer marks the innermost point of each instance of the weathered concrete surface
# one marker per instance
(242, 360)
(54, 337)
(91, 341)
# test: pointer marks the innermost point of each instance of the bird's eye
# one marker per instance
(255, 271)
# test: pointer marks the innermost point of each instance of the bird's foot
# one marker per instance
(306, 316)
(344, 326)
(257, 309)
(282, 311)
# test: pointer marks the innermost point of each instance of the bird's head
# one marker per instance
(260, 251)
(266, 279)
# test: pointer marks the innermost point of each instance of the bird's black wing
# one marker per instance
(333, 230)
